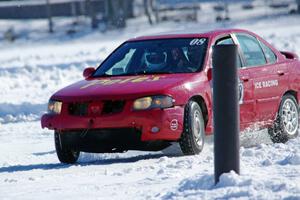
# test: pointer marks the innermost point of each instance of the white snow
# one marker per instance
(33, 68)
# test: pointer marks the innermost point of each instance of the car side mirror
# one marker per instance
(88, 72)
(209, 74)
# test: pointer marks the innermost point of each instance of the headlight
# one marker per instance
(54, 107)
(153, 102)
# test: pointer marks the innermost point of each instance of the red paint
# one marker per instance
(88, 72)
(259, 104)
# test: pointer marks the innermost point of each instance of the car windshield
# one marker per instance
(166, 56)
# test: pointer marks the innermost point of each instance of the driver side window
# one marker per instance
(228, 40)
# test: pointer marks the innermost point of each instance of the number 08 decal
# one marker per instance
(197, 42)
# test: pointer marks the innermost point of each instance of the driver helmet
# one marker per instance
(155, 60)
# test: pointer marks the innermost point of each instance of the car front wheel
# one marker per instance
(64, 154)
(192, 138)
(286, 125)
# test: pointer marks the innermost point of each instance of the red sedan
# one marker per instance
(155, 90)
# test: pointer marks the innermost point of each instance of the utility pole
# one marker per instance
(49, 15)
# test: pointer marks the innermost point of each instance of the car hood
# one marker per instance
(124, 87)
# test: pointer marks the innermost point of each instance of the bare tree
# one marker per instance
(116, 13)
(129, 9)
(74, 11)
(49, 16)
(92, 13)
(147, 5)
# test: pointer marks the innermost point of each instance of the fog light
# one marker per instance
(154, 129)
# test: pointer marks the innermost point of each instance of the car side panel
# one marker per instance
(197, 86)
(247, 109)
(270, 82)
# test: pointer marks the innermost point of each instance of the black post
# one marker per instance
(225, 110)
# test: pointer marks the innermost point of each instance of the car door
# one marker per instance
(245, 87)
(268, 77)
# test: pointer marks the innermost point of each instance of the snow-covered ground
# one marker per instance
(34, 67)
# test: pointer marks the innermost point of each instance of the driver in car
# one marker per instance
(194, 56)
(179, 59)
(155, 61)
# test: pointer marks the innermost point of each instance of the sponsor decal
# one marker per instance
(241, 91)
(174, 125)
(121, 81)
(265, 84)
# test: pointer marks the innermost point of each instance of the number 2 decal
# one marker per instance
(241, 92)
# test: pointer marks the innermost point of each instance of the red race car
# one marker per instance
(155, 90)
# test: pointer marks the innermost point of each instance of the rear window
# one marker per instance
(253, 53)
(270, 55)
(155, 56)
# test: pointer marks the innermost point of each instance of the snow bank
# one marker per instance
(21, 112)
(30, 77)
(267, 172)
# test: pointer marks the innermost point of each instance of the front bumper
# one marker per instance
(169, 121)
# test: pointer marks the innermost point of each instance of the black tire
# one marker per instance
(286, 124)
(189, 143)
(64, 154)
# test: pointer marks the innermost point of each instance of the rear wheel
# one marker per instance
(64, 154)
(192, 138)
(286, 124)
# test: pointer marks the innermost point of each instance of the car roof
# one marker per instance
(186, 34)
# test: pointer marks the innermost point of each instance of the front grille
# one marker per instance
(84, 108)
(111, 107)
(78, 109)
